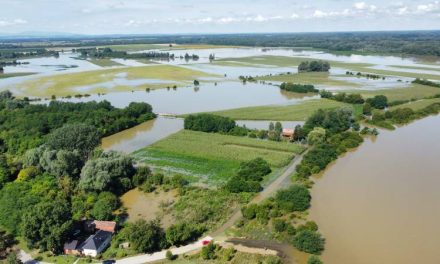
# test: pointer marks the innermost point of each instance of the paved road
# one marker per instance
(162, 254)
(282, 181)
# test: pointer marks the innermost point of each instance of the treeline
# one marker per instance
(376, 102)
(100, 53)
(298, 88)
(366, 75)
(24, 125)
(426, 82)
(21, 53)
(398, 42)
(314, 66)
(401, 116)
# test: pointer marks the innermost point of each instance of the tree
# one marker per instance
(145, 237)
(317, 135)
(6, 243)
(366, 109)
(80, 137)
(299, 133)
(179, 234)
(104, 206)
(111, 171)
(47, 225)
(378, 101)
(295, 198)
(309, 241)
(196, 82)
(142, 174)
(61, 162)
(209, 123)
(254, 169)
(136, 109)
(279, 225)
(313, 259)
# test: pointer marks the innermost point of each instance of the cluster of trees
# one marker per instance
(314, 66)
(403, 115)
(20, 53)
(367, 75)
(209, 123)
(24, 126)
(7, 241)
(426, 82)
(249, 176)
(350, 98)
(245, 79)
(101, 53)
(298, 88)
(188, 57)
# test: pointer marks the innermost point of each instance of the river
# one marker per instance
(381, 202)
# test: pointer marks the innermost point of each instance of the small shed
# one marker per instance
(71, 248)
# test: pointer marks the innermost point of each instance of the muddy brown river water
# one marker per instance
(381, 203)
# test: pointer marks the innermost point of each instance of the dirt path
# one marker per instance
(282, 181)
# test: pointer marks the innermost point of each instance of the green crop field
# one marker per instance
(17, 74)
(413, 91)
(105, 62)
(295, 112)
(212, 158)
(315, 78)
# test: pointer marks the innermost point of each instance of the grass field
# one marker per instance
(414, 91)
(416, 67)
(296, 112)
(141, 47)
(17, 74)
(417, 105)
(212, 158)
(98, 81)
(105, 62)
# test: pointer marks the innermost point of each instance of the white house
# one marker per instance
(96, 243)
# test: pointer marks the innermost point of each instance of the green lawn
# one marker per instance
(212, 158)
(66, 84)
(295, 112)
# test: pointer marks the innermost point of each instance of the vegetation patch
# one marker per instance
(214, 157)
(296, 112)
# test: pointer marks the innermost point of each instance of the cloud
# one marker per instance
(432, 7)
(323, 14)
(17, 21)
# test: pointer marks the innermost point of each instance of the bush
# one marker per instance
(295, 198)
(313, 259)
(314, 66)
(309, 241)
(298, 88)
(279, 225)
(208, 251)
(179, 234)
(169, 255)
(378, 101)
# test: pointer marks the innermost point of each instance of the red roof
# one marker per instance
(108, 226)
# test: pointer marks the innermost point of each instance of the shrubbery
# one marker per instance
(298, 88)
(314, 66)
(295, 198)
(249, 176)
(209, 123)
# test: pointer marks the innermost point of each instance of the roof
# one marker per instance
(109, 226)
(288, 131)
(71, 245)
(95, 241)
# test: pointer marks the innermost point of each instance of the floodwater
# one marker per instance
(381, 203)
(206, 97)
(151, 131)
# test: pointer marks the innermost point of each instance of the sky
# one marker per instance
(97, 17)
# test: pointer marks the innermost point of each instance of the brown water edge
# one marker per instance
(149, 206)
(380, 203)
(287, 252)
(142, 135)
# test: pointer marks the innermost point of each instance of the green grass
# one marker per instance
(66, 84)
(295, 112)
(413, 91)
(105, 62)
(416, 67)
(213, 158)
(17, 74)
(239, 258)
(417, 105)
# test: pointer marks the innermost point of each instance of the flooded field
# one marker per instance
(148, 206)
(380, 203)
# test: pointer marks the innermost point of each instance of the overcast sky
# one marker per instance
(212, 16)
